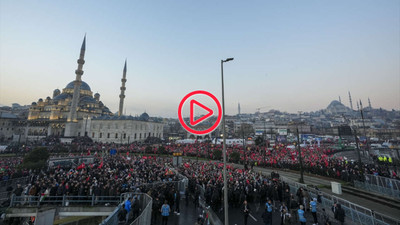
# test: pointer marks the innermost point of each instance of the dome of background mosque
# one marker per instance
(84, 86)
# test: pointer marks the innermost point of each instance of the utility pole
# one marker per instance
(365, 132)
(300, 157)
(357, 143)
(265, 141)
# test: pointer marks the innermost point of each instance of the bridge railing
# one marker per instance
(381, 185)
(5, 195)
(356, 213)
(64, 200)
(146, 203)
(212, 217)
(14, 182)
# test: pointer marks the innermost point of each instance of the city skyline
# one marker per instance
(288, 57)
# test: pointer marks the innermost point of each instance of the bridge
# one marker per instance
(50, 209)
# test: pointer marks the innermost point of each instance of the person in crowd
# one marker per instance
(128, 207)
(313, 206)
(301, 215)
(334, 210)
(122, 215)
(246, 211)
(135, 208)
(177, 197)
(285, 217)
(340, 214)
(268, 210)
(165, 210)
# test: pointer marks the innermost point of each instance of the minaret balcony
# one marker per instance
(81, 61)
(79, 72)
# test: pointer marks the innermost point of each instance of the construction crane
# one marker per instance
(258, 109)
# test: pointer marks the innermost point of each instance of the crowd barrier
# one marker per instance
(145, 203)
(380, 185)
(210, 215)
(65, 200)
(355, 213)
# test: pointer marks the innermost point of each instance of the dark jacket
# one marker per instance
(122, 214)
(340, 214)
(247, 212)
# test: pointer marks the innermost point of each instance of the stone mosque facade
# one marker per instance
(75, 112)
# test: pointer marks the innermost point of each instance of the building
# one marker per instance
(76, 111)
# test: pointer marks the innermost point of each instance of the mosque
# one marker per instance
(77, 112)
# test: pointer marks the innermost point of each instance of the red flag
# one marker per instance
(81, 166)
(101, 165)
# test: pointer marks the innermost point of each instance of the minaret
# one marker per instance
(358, 107)
(238, 108)
(122, 95)
(71, 127)
(369, 103)
(77, 84)
(340, 100)
(351, 103)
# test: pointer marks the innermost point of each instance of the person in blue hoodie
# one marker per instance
(300, 213)
(267, 215)
(313, 205)
(128, 208)
(165, 210)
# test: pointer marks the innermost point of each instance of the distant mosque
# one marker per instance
(77, 112)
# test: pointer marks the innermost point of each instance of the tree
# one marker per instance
(259, 141)
(148, 149)
(36, 159)
(234, 157)
(217, 154)
(161, 150)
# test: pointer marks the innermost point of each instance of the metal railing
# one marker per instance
(65, 200)
(5, 195)
(113, 217)
(146, 203)
(381, 185)
(13, 182)
(145, 206)
(212, 217)
(355, 213)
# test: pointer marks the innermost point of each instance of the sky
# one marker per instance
(289, 55)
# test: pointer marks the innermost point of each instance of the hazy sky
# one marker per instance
(289, 55)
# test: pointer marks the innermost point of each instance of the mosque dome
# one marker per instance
(84, 86)
(86, 99)
(62, 96)
(144, 117)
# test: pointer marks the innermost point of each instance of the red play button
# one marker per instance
(201, 119)
(196, 104)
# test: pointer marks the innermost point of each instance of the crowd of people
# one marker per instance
(9, 168)
(316, 160)
(269, 194)
(133, 167)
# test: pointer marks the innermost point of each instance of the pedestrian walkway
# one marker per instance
(188, 215)
(311, 180)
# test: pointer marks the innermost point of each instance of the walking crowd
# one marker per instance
(128, 171)
(269, 194)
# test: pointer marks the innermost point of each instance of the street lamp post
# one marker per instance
(224, 143)
(300, 157)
